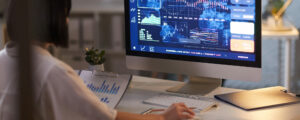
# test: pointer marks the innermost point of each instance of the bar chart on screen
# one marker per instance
(108, 89)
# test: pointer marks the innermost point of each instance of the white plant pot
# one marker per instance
(97, 69)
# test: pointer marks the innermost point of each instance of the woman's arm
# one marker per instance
(177, 111)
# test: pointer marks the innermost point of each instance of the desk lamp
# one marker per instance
(277, 13)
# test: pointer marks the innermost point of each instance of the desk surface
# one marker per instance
(292, 34)
(143, 88)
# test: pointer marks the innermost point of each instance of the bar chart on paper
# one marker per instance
(109, 90)
(105, 88)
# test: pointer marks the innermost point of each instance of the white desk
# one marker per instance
(143, 88)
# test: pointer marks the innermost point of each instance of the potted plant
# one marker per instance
(96, 59)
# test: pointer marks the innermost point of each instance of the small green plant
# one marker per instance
(94, 57)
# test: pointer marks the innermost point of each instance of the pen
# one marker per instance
(158, 110)
(147, 111)
(209, 108)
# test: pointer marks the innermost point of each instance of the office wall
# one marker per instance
(292, 13)
(293, 16)
(105, 32)
(2, 5)
(272, 67)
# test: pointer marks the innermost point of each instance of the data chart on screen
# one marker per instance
(222, 29)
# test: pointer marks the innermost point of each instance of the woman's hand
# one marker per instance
(178, 111)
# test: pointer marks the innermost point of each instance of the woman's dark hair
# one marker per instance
(47, 18)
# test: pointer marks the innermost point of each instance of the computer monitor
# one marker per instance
(207, 38)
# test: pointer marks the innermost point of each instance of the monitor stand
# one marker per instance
(197, 86)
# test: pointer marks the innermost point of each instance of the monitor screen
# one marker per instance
(212, 31)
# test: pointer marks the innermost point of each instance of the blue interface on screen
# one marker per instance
(205, 28)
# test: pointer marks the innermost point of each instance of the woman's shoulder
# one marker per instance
(53, 71)
(54, 64)
(1, 53)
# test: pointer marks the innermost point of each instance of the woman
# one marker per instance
(60, 94)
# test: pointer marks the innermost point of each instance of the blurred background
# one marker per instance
(100, 24)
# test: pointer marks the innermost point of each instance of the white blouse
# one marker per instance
(60, 94)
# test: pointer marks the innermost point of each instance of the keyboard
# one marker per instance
(167, 100)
